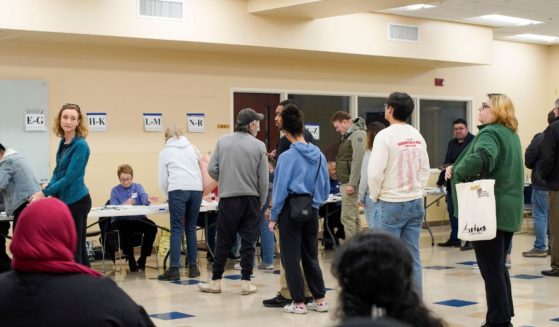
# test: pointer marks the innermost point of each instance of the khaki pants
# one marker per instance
(350, 212)
(554, 228)
(284, 290)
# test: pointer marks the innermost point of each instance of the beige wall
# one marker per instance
(125, 82)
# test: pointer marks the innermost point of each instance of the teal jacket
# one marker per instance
(67, 182)
(501, 148)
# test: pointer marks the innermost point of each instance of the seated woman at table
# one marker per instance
(129, 193)
(48, 288)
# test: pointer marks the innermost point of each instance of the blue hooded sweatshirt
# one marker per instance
(296, 173)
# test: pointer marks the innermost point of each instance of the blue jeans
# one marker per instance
(539, 214)
(184, 205)
(370, 213)
(403, 220)
(266, 238)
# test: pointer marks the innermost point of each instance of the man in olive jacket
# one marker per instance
(550, 173)
(348, 167)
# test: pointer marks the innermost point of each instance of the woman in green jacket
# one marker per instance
(497, 147)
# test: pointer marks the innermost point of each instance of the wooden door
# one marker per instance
(264, 103)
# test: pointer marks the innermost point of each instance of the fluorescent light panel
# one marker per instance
(418, 6)
(501, 20)
(537, 37)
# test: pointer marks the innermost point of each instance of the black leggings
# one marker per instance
(80, 210)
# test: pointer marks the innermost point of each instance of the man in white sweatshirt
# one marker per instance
(398, 171)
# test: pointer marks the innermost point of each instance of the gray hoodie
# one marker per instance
(178, 166)
(17, 181)
(240, 165)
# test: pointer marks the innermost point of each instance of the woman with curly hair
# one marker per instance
(374, 271)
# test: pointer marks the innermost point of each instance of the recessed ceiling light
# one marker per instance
(418, 6)
(501, 20)
(537, 37)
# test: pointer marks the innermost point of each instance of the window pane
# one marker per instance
(371, 109)
(436, 117)
(318, 109)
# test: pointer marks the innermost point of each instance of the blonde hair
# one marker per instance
(81, 129)
(502, 110)
(125, 169)
(173, 131)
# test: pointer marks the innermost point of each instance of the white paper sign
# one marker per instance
(195, 122)
(314, 129)
(35, 122)
(153, 122)
(97, 121)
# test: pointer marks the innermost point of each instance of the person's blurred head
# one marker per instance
(292, 120)
(70, 119)
(370, 322)
(399, 107)
(125, 175)
(332, 170)
(342, 121)
(374, 271)
(173, 131)
(460, 129)
(498, 108)
(2, 150)
(248, 120)
(45, 239)
(279, 109)
(372, 131)
(551, 116)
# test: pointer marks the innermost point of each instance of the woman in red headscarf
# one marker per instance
(48, 288)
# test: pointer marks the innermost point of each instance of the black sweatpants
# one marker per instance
(239, 214)
(128, 228)
(299, 247)
(491, 256)
(80, 210)
(5, 261)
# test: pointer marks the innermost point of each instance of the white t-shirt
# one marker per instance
(399, 165)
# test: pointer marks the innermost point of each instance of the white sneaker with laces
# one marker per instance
(237, 266)
(318, 307)
(212, 286)
(265, 267)
(295, 308)
(247, 287)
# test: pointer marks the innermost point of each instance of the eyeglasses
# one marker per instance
(484, 106)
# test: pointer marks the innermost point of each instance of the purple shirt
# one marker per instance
(121, 194)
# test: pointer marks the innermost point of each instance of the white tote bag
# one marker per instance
(477, 216)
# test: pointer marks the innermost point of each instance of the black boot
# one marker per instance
(132, 264)
(142, 263)
(172, 273)
(193, 271)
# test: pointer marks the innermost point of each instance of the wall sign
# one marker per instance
(35, 121)
(97, 121)
(153, 122)
(195, 122)
(314, 129)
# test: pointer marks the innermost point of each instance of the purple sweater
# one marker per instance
(121, 194)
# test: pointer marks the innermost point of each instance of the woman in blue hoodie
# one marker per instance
(300, 170)
(67, 182)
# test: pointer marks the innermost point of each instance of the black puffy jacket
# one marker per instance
(550, 155)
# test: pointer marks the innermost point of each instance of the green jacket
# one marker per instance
(350, 154)
(501, 148)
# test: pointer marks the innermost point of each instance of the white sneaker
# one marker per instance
(295, 308)
(318, 307)
(265, 267)
(247, 287)
(237, 266)
(212, 286)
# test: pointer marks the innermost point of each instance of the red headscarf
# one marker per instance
(45, 240)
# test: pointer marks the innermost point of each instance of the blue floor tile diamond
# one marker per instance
(524, 276)
(171, 315)
(235, 277)
(467, 263)
(456, 303)
(438, 267)
(556, 319)
(186, 282)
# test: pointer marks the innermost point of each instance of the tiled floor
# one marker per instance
(452, 289)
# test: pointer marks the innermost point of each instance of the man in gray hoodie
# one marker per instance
(240, 165)
(17, 184)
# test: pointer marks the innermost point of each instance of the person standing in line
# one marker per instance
(283, 297)
(461, 140)
(300, 170)
(17, 185)
(550, 174)
(348, 167)
(363, 197)
(495, 153)
(398, 172)
(130, 193)
(67, 182)
(540, 194)
(181, 179)
(240, 165)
